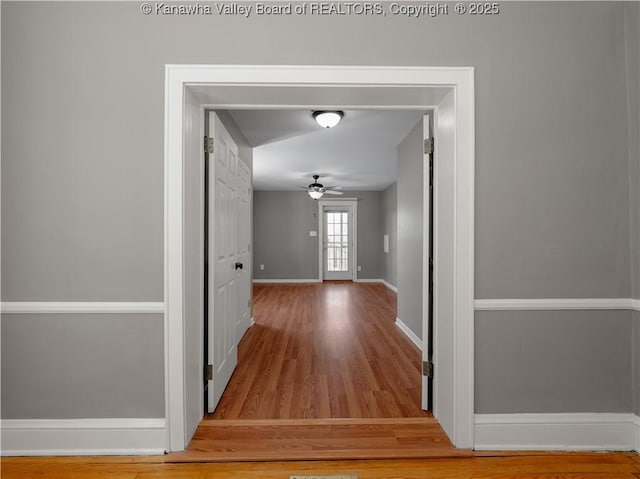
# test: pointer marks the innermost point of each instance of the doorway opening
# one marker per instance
(375, 147)
(190, 89)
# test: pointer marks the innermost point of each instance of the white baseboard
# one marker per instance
(82, 437)
(390, 286)
(557, 432)
(386, 283)
(410, 334)
(258, 281)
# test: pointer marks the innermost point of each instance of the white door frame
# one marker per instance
(450, 93)
(353, 204)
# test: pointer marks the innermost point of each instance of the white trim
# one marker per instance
(66, 437)
(636, 423)
(259, 281)
(378, 280)
(453, 344)
(557, 432)
(390, 286)
(53, 307)
(555, 304)
(410, 334)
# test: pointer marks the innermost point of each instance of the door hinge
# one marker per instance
(208, 372)
(428, 146)
(427, 369)
(208, 145)
(249, 303)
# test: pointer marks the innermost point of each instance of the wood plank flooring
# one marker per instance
(548, 466)
(223, 440)
(329, 350)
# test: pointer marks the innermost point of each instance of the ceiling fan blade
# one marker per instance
(332, 192)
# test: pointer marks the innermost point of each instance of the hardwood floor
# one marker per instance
(222, 440)
(546, 466)
(328, 350)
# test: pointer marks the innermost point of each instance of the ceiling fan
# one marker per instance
(316, 190)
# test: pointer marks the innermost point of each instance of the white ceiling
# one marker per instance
(358, 154)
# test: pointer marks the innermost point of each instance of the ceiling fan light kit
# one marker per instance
(317, 190)
(328, 119)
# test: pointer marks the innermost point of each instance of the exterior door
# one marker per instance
(224, 259)
(338, 242)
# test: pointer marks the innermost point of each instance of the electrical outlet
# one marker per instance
(359, 268)
(261, 267)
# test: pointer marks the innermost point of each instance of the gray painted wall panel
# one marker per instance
(108, 216)
(390, 227)
(553, 361)
(369, 232)
(282, 222)
(410, 220)
(281, 242)
(57, 366)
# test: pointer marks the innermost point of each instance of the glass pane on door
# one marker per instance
(337, 241)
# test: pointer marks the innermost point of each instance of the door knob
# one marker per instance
(238, 265)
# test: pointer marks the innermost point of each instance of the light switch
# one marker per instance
(313, 233)
(386, 243)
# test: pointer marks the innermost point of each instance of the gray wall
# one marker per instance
(410, 221)
(65, 366)
(82, 216)
(281, 224)
(560, 361)
(390, 227)
(369, 233)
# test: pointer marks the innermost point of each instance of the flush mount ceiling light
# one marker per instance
(328, 119)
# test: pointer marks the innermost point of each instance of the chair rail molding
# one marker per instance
(54, 307)
(551, 304)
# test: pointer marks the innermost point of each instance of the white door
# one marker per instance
(338, 242)
(223, 274)
(244, 250)
(428, 276)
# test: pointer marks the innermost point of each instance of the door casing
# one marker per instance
(448, 91)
